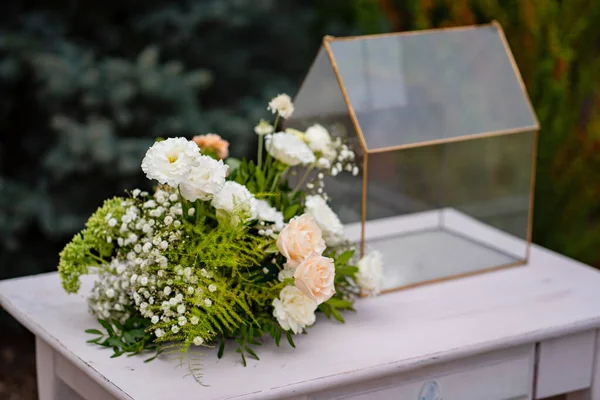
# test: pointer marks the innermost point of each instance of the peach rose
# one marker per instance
(213, 142)
(314, 277)
(301, 238)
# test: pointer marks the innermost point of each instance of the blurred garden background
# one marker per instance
(85, 87)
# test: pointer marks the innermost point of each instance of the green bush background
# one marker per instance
(86, 88)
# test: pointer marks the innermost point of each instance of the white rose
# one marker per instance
(283, 105)
(234, 203)
(293, 310)
(289, 149)
(170, 161)
(267, 213)
(370, 273)
(318, 138)
(326, 219)
(205, 179)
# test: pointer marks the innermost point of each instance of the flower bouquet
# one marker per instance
(224, 248)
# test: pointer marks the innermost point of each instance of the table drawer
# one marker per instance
(566, 364)
(495, 376)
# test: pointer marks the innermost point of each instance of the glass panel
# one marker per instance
(320, 100)
(449, 209)
(408, 89)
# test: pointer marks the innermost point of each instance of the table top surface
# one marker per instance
(550, 297)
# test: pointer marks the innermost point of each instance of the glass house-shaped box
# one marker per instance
(445, 136)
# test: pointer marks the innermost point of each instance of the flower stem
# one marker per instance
(260, 150)
(268, 159)
(302, 180)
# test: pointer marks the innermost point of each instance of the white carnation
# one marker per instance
(318, 138)
(283, 105)
(170, 161)
(370, 273)
(205, 179)
(267, 213)
(289, 149)
(294, 311)
(234, 202)
(326, 219)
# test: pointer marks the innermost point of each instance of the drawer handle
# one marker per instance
(430, 391)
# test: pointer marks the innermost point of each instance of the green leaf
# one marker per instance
(260, 179)
(115, 342)
(339, 303)
(344, 257)
(272, 248)
(336, 314)
(278, 337)
(107, 326)
(288, 334)
(93, 332)
(291, 211)
(221, 348)
(243, 358)
(116, 354)
(251, 352)
(95, 341)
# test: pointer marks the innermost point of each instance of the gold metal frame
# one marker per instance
(535, 128)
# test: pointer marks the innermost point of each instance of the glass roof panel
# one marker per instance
(408, 89)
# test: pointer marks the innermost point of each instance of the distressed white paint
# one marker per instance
(505, 374)
(565, 364)
(595, 389)
(393, 334)
(46, 377)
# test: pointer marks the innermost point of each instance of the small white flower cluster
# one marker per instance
(109, 298)
(167, 297)
(147, 229)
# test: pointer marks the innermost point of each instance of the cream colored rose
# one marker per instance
(301, 238)
(314, 277)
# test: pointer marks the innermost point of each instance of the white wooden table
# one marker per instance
(521, 333)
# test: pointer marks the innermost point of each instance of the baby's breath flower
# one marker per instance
(135, 192)
(182, 320)
(175, 329)
(181, 309)
(173, 301)
(208, 302)
(159, 333)
(168, 220)
(147, 247)
(191, 211)
(110, 293)
(212, 288)
(194, 320)
(198, 340)
(155, 319)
